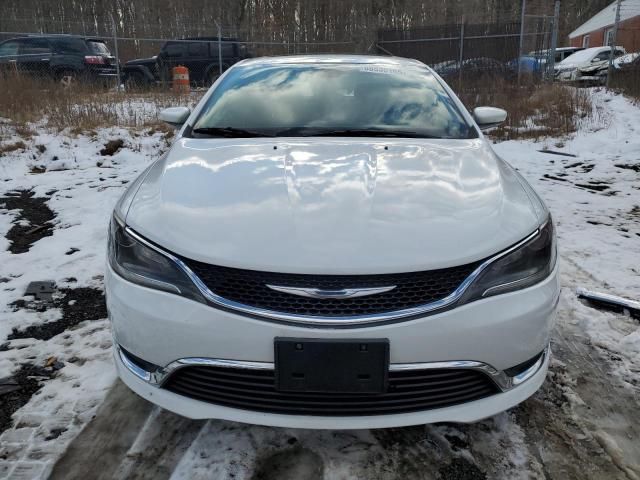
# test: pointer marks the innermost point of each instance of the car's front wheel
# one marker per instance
(136, 81)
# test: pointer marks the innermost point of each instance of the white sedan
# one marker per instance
(332, 243)
(581, 65)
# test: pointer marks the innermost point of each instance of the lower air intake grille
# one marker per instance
(408, 391)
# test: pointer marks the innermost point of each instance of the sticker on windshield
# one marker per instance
(379, 69)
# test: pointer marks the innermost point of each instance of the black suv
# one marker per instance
(199, 55)
(64, 58)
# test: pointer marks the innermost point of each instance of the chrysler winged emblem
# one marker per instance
(337, 294)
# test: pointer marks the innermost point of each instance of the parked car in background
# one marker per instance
(199, 55)
(474, 69)
(529, 65)
(560, 54)
(534, 62)
(583, 66)
(625, 66)
(597, 74)
(626, 60)
(64, 58)
(629, 71)
(331, 242)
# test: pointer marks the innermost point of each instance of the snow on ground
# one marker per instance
(594, 197)
(82, 186)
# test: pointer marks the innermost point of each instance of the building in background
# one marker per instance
(598, 30)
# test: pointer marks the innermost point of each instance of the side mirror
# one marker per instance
(488, 117)
(175, 116)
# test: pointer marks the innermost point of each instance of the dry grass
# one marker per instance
(25, 102)
(12, 147)
(628, 83)
(535, 111)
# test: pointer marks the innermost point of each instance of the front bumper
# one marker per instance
(499, 332)
(566, 75)
(463, 413)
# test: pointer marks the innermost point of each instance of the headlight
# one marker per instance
(141, 264)
(527, 265)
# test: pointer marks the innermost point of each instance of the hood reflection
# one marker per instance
(320, 205)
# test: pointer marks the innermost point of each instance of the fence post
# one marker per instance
(461, 54)
(219, 47)
(115, 47)
(551, 59)
(613, 43)
(521, 46)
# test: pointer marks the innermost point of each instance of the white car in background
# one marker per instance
(332, 243)
(573, 68)
(625, 60)
(560, 54)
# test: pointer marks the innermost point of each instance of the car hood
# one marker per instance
(332, 205)
(592, 67)
(569, 66)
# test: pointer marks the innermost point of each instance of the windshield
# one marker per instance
(311, 100)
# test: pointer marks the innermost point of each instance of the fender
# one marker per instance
(143, 69)
(213, 67)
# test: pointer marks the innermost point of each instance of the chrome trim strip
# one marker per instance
(133, 368)
(501, 379)
(532, 370)
(331, 321)
(339, 294)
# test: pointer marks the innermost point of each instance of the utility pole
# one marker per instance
(461, 55)
(219, 47)
(522, 18)
(613, 43)
(551, 59)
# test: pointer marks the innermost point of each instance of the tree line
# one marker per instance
(354, 21)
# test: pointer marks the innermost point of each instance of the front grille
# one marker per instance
(408, 391)
(249, 287)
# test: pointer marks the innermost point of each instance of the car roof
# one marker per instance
(598, 49)
(211, 39)
(55, 37)
(333, 59)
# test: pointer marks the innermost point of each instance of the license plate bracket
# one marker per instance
(331, 366)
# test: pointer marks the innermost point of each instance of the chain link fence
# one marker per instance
(461, 52)
(132, 63)
(467, 53)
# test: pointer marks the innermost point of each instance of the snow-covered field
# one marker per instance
(582, 424)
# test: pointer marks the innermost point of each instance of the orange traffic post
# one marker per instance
(181, 79)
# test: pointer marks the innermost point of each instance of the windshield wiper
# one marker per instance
(230, 132)
(350, 132)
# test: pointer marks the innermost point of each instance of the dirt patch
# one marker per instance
(77, 305)
(552, 177)
(461, 469)
(290, 464)
(111, 147)
(573, 165)
(629, 166)
(54, 433)
(12, 147)
(634, 213)
(33, 222)
(597, 188)
(24, 384)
